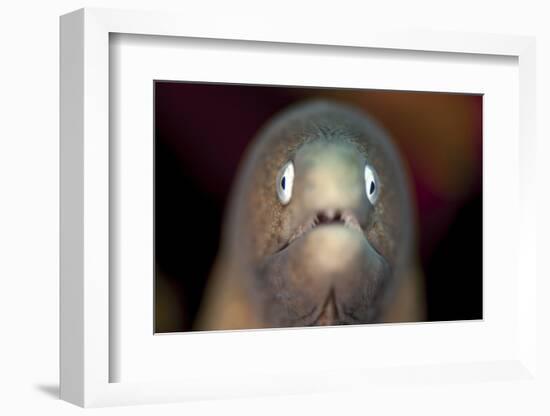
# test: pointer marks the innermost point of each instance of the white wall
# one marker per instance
(29, 199)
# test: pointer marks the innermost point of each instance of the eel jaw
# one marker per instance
(335, 293)
(329, 311)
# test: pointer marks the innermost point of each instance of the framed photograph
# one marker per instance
(267, 212)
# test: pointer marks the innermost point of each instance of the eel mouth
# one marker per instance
(321, 218)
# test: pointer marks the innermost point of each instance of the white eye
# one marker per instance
(371, 184)
(285, 180)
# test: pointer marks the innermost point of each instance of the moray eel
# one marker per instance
(319, 228)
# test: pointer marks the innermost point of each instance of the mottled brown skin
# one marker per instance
(275, 270)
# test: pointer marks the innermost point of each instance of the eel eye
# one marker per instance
(371, 184)
(285, 180)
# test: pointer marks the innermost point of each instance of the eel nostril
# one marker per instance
(329, 216)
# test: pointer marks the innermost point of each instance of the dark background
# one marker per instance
(201, 130)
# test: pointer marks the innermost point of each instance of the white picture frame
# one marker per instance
(86, 352)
